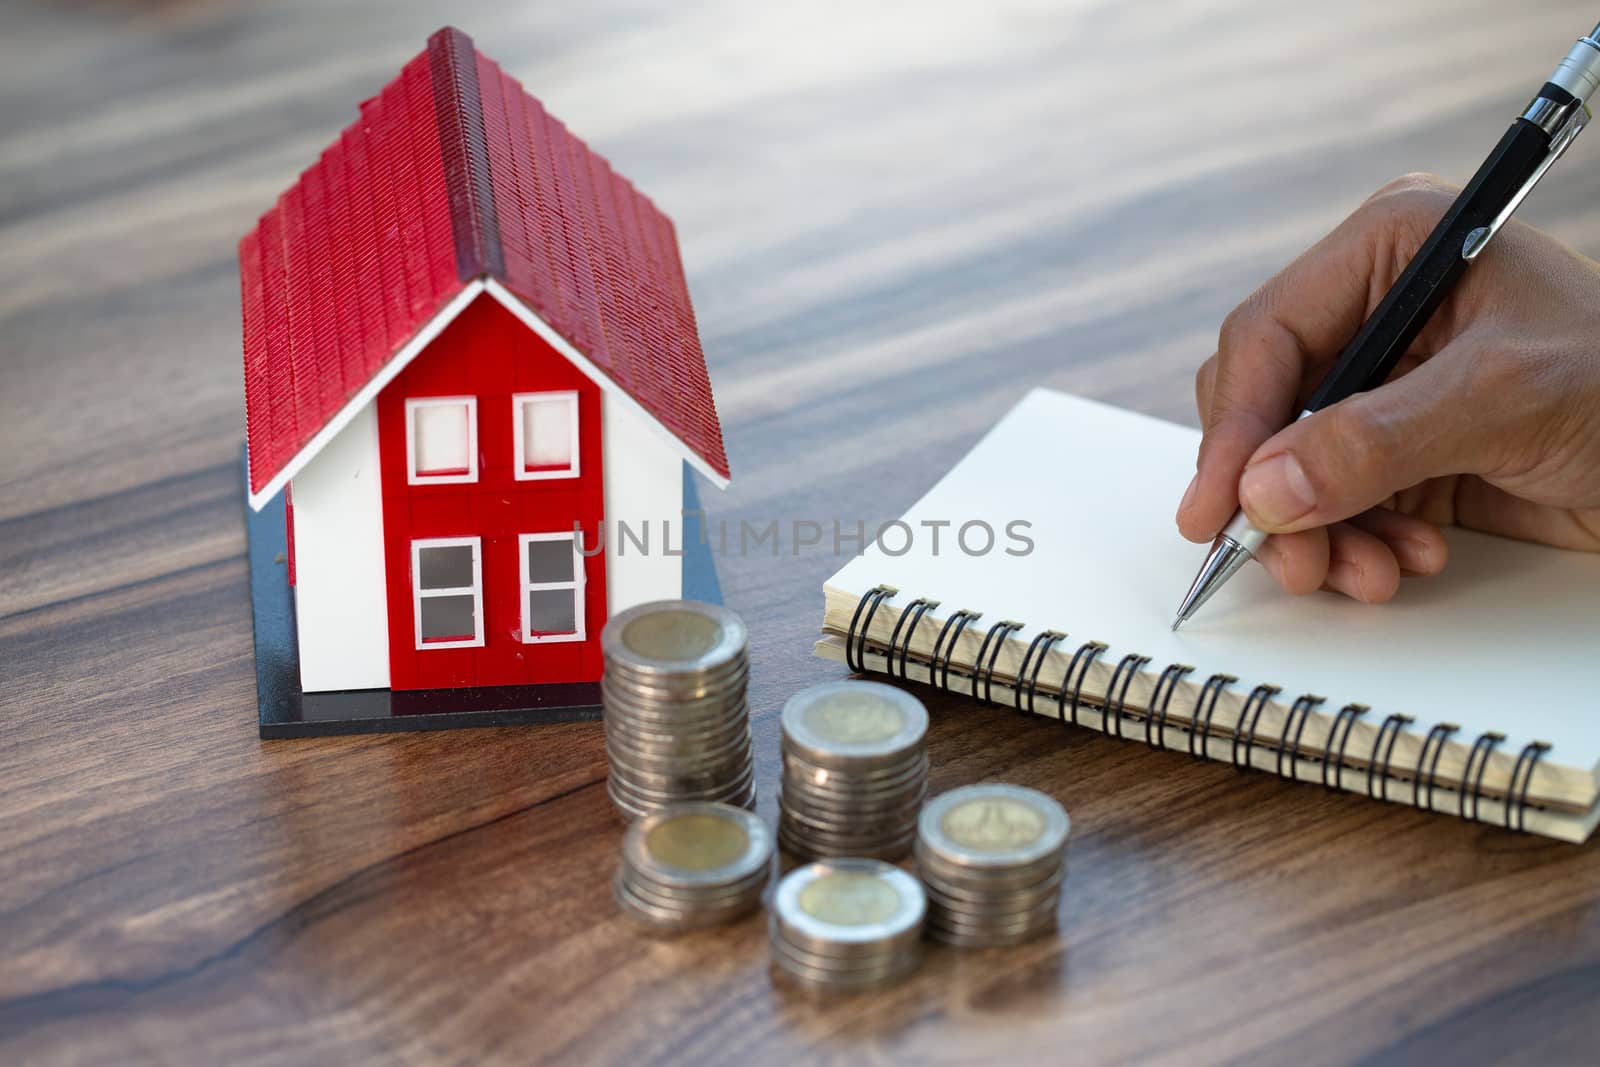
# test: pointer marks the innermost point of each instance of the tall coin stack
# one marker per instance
(693, 865)
(673, 693)
(855, 770)
(847, 925)
(992, 858)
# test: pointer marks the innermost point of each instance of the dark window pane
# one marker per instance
(550, 611)
(550, 561)
(446, 567)
(446, 618)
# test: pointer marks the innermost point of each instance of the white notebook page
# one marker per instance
(1507, 639)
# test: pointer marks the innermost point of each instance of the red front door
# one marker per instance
(490, 444)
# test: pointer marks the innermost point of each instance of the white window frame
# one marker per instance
(412, 405)
(418, 593)
(576, 585)
(518, 401)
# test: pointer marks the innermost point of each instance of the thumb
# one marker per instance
(1359, 452)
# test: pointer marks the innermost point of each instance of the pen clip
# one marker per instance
(1479, 238)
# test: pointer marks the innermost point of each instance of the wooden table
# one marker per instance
(896, 219)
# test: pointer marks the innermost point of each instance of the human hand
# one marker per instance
(1491, 421)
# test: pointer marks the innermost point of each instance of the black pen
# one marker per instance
(1535, 141)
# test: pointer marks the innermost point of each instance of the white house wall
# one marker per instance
(644, 491)
(340, 598)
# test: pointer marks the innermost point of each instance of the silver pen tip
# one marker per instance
(1222, 562)
(1177, 623)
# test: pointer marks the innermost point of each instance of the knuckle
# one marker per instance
(1360, 435)
(1409, 199)
(1242, 326)
(1416, 186)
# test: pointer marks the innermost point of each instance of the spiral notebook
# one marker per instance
(1472, 693)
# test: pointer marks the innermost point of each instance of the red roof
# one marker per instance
(454, 173)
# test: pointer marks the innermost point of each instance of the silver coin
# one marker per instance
(730, 714)
(681, 774)
(682, 698)
(997, 912)
(986, 877)
(699, 898)
(989, 939)
(860, 826)
(829, 952)
(681, 707)
(811, 843)
(823, 843)
(810, 846)
(947, 896)
(889, 776)
(698, 845)
(656, 799)
(849, 901)
(804, 973)
(904, 805)
(994, 915)
(727, 714)
(710, 764)
(993, 826)
(660, 798)
(968, 922)
(679, 918)
(691, 747)
(853, 723)
(843, 789)
(984, 880)
(667, 637)
(845, 967)
(632, 807)
(735, 899)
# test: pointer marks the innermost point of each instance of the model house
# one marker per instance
(468, 350)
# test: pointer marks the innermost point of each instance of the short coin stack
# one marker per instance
(855, 770)
(693, 865)
(992, 858)
(847, 925)
(673, 692)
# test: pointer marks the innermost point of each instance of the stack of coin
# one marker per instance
(693, 865)
(992, 858)
(855, 770)
(673, 693)
(847, 925)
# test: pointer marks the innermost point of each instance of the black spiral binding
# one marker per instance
(1399, 722)
(1304, 705)
(998, 634)
(1201, 729)
(1482, 749)
(952, 627)
(1288, 755)
(1436, 738)
(1159, 701)
(1040, 646)
(1087, 653)
(914, 613)
(855, 647)
(1531, 754)
(1347, 715)
(1117, 702)
(1253, 707)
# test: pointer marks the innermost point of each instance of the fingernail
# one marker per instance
(1276, 491)
(1188, 495)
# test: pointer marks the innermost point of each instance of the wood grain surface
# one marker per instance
(896, 217)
